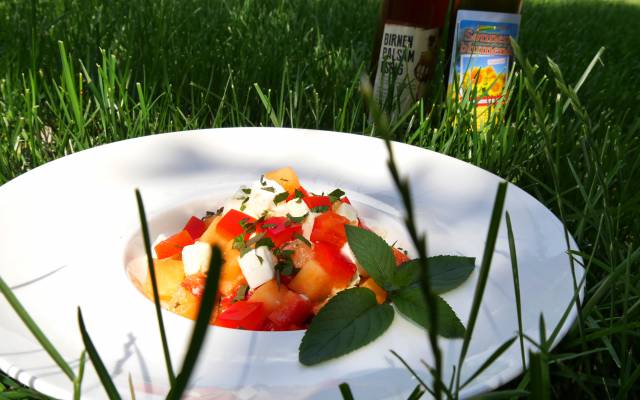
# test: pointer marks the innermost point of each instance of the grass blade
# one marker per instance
(416, 394)
(77, 383)
(201, 325)
(101, 370)
(483, 275)
(154, 285)
(502, 394)
(345, 391)
(35, 330)
(415, 375)
(516, 285)
(494, 356)
(540, 383)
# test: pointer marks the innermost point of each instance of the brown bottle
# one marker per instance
(405, 50)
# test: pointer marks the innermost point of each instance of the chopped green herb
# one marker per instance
(238, 242)
(260, 259)
(280, 197)
(241, 293)
(246, 190)
(262, 181)
(296, 220)
(336, 195)
(268, 189)
(210, 214)
(244, 251)
(265, 241)
(243, 205)
(269, 226)
(285, 268)
(302, 239)
(320, 209)
(254, 239)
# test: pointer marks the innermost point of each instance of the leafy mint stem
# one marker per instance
(419, 240)
(154, 285)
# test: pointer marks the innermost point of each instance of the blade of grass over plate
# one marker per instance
(516, 285)
(483, 275)
(201, 325)
(77, 382)
(101, 370)
(154, 286)
(345, 391)
(35, 330)
(494, 356)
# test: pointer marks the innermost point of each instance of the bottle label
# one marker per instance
(405, 63)
(482, 57)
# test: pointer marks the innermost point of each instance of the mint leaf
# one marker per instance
(350, 320)
(410, 302)
(373, 254)
(280, 197)
(446, 272)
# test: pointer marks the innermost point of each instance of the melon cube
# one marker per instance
(312, 281)
(286, 177)
(270, 295)
(169, 275)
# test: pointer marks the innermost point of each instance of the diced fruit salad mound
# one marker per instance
(285, 255)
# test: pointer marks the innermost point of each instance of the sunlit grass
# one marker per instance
(78, 74)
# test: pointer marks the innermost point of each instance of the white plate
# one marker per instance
(66, 237)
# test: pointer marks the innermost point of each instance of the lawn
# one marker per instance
(76, 74)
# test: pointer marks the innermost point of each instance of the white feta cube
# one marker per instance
(257, 266)
(347, 211)
(294, 207)
(261, 197)
(236, 201)
(196, 258)
(307, 225)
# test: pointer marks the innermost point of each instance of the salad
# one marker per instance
(285, 256)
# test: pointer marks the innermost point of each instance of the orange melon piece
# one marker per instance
(231, 274)
(286, 177)
(381, 294)
(312, 281)
(169, 275)
(210, 235)
(185, 303)
(270, 295)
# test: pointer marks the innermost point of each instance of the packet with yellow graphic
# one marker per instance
(481, 58)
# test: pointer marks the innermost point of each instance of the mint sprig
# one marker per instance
(410, 302)
(353, 318)
(350, 320)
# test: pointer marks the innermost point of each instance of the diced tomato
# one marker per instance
(243, 315)
(196, 227)
(279, 229)
(336, 265)
(195, 283)
(329, 228)
(173, 245)
(229, 226)
(295, 310)
(317, 201)
(400, 257)
(345, 199)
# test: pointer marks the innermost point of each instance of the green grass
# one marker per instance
(127, 69)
